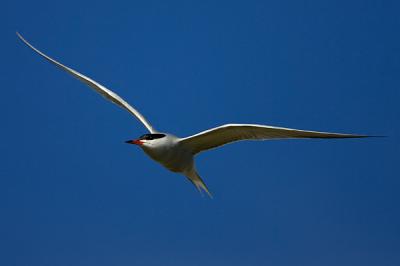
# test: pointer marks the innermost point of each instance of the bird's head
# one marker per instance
(147, 140)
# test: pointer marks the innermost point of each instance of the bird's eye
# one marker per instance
(157, 136)
(152, 136)
(145, 137)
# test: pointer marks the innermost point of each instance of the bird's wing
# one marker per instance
(108, 94)
(225, 134)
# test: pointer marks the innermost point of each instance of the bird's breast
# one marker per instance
(175, 157)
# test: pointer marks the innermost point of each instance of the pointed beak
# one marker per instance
(135, 141)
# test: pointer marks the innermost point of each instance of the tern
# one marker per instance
(178, 154)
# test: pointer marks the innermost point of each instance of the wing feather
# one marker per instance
(228, 133)
(106, 93)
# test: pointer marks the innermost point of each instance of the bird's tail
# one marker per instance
(196, 180)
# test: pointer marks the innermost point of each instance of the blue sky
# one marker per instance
(72, 193)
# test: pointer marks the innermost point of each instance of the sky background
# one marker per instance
(73, 193)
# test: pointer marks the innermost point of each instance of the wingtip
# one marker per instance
(20, 37)
(372, 136)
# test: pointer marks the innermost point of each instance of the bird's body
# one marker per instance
(170, 153)
(173, 154)
(178, 154)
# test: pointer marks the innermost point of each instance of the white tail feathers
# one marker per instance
(196, 180)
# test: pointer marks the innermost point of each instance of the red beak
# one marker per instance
(135, 141)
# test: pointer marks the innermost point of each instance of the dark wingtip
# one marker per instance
(366, 136)
(346, 136)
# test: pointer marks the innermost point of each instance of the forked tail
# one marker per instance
(196, 180)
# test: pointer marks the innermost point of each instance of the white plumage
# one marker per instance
(177, 154)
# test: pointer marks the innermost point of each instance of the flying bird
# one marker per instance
(178, 154)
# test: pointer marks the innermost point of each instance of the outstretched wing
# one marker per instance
(106, 93)
(225, 134)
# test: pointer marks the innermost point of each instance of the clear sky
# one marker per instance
(73, 193)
